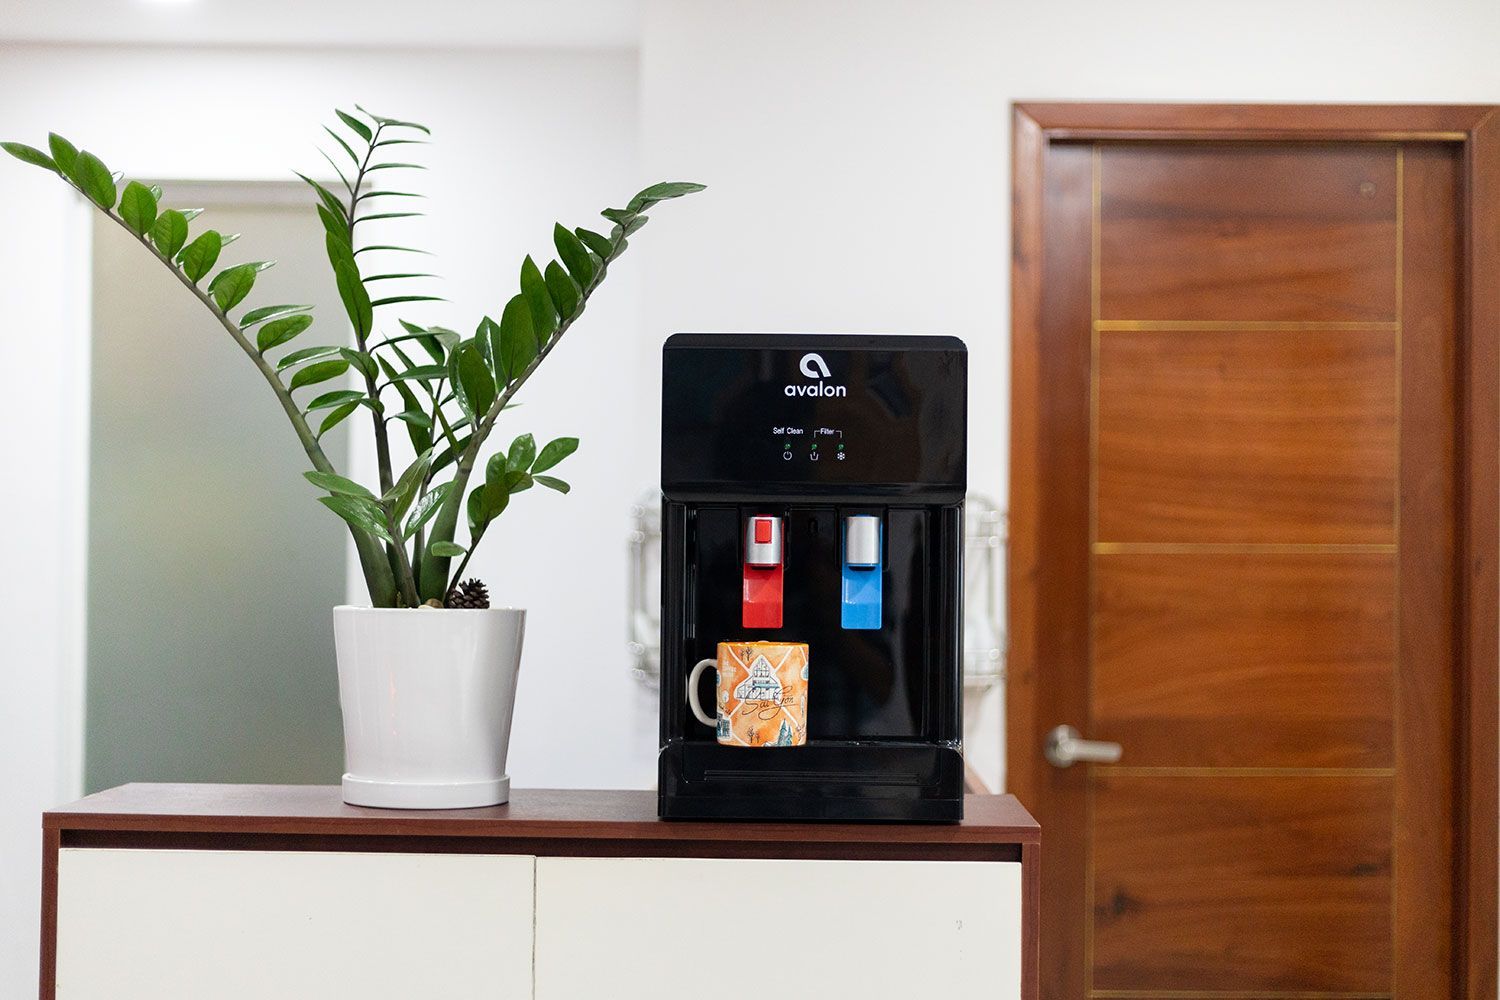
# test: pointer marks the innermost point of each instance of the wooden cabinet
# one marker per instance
(240, 892)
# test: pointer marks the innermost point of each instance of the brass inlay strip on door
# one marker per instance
(1249, 325)
(1241, 548)
(1165, 771)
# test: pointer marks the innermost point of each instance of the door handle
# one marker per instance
(1065, 747)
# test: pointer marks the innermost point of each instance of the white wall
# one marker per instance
(857, 159)
(522, 138)
(858, 152)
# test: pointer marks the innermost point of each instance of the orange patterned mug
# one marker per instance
(761, 696)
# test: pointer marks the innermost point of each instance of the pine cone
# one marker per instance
(469, 594)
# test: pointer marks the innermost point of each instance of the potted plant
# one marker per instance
(427, 672)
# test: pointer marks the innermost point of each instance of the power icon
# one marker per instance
(786, 456)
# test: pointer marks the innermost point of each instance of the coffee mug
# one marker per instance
(761, 696)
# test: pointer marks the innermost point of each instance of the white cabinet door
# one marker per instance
(236, 925)
(689, 929)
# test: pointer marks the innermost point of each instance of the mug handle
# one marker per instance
(692, 691)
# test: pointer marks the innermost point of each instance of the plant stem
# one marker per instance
(396, 554)
(446, 522)
(458, 574)
(378, 577)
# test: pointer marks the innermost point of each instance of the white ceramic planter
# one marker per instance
(427, 696)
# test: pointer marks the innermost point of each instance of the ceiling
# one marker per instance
(588, 24)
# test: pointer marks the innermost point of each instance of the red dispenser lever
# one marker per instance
(761, 606)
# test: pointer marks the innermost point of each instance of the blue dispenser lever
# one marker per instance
(863, 574)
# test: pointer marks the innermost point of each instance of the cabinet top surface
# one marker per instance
(531, 813)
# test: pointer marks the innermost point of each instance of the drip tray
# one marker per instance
(824, 780)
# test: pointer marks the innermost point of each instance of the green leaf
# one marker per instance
(620, 216)
(356, 126)
(595, 242)
(575, 255)
(553, 483)
(479, 510)
(95, 180)
(389, 215)
(422, 373)
(138, 207)
(199, 256)
(393, 299)
(395, 166)
(29, 154)
(169, 232)
(278, 332)
(64, 154)
(322, 371)
(415, 418)
(662, 192)
(327, 197)
(563, 289)
(555, 451)
(487, 338)
(335, 417)
(522, 453)
(394, 122)
(361, 361)
(518, 344)
(231, 285)
(392, 277)
(356, 299)
(336, 398)
(191, 213)
(264, 313)
(346, 147)
(362, 514)
(400, 496)
(426, 507)
(306, 354)
(446, 550)
(543, 311)
(334, 483)
(387, 246)
(336, 228)
(472, 383)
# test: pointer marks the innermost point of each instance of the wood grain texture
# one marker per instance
(1247, 436)
(1424, 683)
(1246, 659)
(1124, 121)
(1272, 883)
(1263, 233)
(1441, 865)
(1479, 541)
(566, 814)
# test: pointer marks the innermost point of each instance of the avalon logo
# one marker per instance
(813, 366)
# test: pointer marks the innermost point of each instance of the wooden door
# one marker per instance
(1253, 544)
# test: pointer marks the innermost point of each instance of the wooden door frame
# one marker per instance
(1475, 129)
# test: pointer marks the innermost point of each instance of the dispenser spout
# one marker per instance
(761, 599)
(862, 573)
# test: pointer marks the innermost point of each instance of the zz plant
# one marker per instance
(445, 390)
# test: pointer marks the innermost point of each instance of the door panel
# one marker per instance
(1235, 521)
(1268, 233)
(1277, 883)
(1276, 436)
(1245, 659)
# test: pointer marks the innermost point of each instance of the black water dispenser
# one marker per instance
(813, 491)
